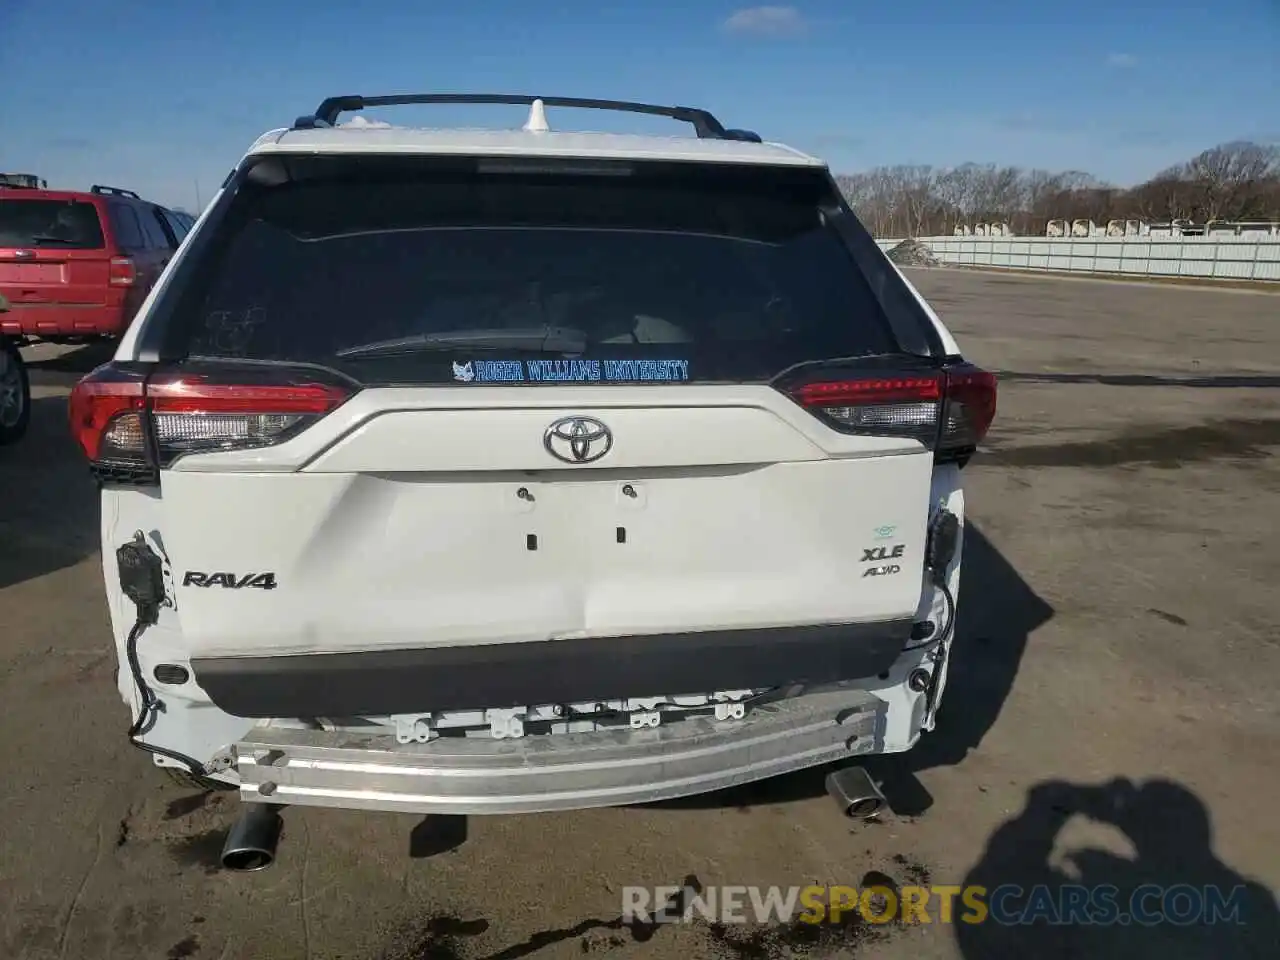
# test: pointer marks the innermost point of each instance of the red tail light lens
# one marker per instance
(105, 399)
(893, 406)
(122, 272)
(949, 411)
(191, 415)
(970, 407)
(116, 415)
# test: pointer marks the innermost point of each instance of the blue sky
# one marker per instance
(163, 96)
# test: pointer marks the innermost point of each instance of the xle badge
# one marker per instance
(884, 553)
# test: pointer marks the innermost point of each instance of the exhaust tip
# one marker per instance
(247, 861)
(251, 842)
(857, 795)
(864, 809)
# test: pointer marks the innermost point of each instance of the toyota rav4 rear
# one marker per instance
(483, 472)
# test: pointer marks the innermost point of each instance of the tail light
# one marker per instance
(969, 409)
(129, 424)
(122, 272)
(949, 411)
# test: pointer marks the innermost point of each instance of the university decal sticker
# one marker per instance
(571, 371)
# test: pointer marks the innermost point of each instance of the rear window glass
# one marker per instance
(56, 224)
(399, 273)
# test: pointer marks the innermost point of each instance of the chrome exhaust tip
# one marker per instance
(856, 794)
(251, 843)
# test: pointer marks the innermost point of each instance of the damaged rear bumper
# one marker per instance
(474, 775)
(562, 670)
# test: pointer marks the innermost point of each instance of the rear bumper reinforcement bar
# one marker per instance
(464, 775)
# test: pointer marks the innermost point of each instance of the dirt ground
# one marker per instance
(1111, 718)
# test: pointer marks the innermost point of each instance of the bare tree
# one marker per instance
(916, 197)
(997, 192)
(1226, 177)
(1231, 181)
(1042, 189)
(957, 190)
(1166, 196)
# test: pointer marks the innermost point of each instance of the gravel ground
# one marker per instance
(1111, 718)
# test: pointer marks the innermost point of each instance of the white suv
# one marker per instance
(496, 471)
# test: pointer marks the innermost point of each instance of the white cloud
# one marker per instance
(1121, 60)
(766, 22)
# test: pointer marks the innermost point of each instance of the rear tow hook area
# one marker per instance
(857, 795)
(142, 580)
(251, 842)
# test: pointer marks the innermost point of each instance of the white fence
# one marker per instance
(1217, 258)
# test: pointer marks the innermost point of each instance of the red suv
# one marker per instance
(76, 266)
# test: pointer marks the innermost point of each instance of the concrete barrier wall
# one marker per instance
(1218, 258)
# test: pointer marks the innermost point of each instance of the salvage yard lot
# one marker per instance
(1116, 622)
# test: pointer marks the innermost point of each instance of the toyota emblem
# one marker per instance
(577, 439)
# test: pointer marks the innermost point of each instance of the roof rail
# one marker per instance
(114, 191)
(704, 122)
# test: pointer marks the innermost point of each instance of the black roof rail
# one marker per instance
(114, 191)
(704, 122)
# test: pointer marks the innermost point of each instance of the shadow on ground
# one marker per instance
(998, 611)
(1207, 381)
(1170, 448)
(1171, 898)
(437, 834)
(48, 502)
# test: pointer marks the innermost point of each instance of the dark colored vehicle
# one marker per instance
(76, 266)
(15, 391)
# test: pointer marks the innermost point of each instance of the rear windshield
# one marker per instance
(405, 272)
(61, 224)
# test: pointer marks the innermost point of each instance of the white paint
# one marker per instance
(526, 143)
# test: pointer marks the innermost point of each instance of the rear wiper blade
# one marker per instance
(45, 238)
(548, 339)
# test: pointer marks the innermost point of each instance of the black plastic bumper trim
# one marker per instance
(377, 683)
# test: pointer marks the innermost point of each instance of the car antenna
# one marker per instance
(537, 122)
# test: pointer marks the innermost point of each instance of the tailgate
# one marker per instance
(52, 252)
(655, 420)
(407, 521)
(33, 278)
